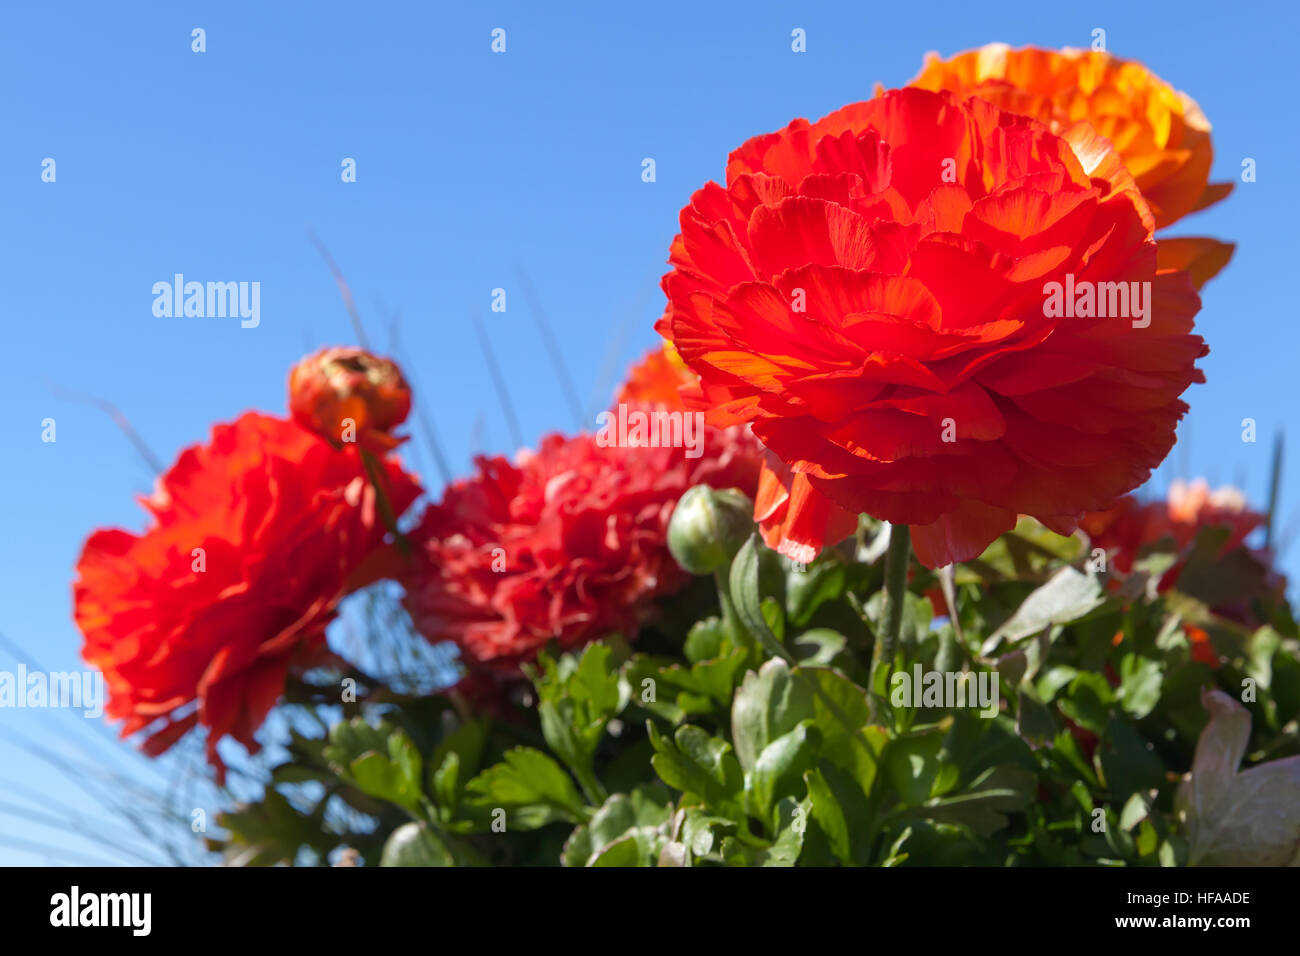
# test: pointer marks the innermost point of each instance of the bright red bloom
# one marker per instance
(343, 384)
(255, 538)
(870, 293)
(1129, 527)
(569, 543)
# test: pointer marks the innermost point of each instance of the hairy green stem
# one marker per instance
(730, 619)
(896, 560)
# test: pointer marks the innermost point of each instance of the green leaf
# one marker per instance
(1068, 596)
(531, 787)
(1128, 760)
(819, 647)
(744, 586)
(983, 808)
(272, 831)
(700, 765)
(637, 847)
(843, 715)
(917, 615)
(1233, 817)
(912, 762)
(396, 777)
(841, 810)
(1034, 721)
(922, 843)
(708, 685)
(792, 820)
(1134, 812)
(792, 823)
(645, 808)
(457, 758)
(705, 640)
(349, 739)
(806, 591)
(1140, 683)
(577, 696)
(1087, 701)
(778, 771)
(768, 704)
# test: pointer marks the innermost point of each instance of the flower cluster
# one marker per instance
(948, 309)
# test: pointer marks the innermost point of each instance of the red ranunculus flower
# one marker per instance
(1129, 527)
(1130, 530)
(255, 538)
(569, 542)
(871, 293)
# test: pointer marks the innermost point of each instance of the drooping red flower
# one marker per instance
(569, 542)
(255, 537)
(347, 394)
(794, 517)
(871, 294)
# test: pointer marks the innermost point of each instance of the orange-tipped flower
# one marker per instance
(657, 378)
(1160, 132)
(349, 395)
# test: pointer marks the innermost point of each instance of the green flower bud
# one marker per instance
(415, 844)
(708, 527)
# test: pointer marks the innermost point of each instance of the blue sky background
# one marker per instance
(471, 165)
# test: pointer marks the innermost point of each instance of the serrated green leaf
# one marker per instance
(531, 787)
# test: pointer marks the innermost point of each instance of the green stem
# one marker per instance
(385, 506)
(592, 788)
(730, 619)
(896, 561)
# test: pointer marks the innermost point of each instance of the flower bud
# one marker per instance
(708, 527)
(415, 844)
(349, 395)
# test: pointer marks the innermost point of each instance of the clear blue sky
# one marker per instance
(469, 165)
